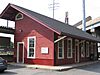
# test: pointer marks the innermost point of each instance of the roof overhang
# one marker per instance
(7, 30)
(93, 26)
(9, 13)
(81, 38)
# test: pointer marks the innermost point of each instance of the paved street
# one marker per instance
(93, 69)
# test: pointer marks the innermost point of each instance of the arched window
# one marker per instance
(19, 16)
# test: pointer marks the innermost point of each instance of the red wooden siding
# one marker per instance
(44, 38)
(70, 60)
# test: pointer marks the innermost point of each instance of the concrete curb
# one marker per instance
(55, 68)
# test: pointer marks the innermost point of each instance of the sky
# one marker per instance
(73, 7)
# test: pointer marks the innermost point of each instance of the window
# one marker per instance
(87, 49)
(19, 16)
(76, 42)
(82, 49)
(61, 49)
(95, 50)
(91, 48)
(98, 48)
(69, 48)
(31, 47)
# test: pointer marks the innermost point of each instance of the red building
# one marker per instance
(46, 41)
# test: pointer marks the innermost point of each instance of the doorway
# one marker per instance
(76, 51)
(20, 52)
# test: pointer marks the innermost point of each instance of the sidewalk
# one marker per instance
(55, 68)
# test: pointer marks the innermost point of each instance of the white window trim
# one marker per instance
(83, 48)
(18, 18)
(87, 49)
(71, 48)
(62, 50)
(34, 47)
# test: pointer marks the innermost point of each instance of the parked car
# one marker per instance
(3, 64)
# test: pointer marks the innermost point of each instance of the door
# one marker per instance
(76, 51)
(20, 52)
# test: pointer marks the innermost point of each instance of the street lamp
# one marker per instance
(84, 20)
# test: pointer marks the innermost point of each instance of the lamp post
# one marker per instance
(84, 19)
(53, 7)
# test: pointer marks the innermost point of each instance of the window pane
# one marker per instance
(19, 16)
(69, 43)
(87, 49)
(60, 54)
(31, 55)
(31, 52)
(69, 54)
(31, 47)
(60, 49)
(69, 48)
(91, 48)
(31, 40)
(60, 43)
(82, 50)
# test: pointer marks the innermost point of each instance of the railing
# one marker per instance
(6, 30)
(6, 51)
(2, 47)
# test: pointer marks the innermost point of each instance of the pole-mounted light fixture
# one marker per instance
(84, 19)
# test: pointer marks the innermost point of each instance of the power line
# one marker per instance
(54, 5)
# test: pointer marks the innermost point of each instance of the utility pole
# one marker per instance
(84, 19)
(53, 6)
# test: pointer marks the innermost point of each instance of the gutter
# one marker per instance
(60, 39)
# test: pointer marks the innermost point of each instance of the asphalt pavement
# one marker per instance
(91, 69)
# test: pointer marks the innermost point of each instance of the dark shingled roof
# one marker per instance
(7, 30)
(57, 25)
